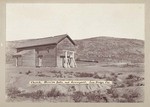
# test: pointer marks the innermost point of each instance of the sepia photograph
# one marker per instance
(75, 52)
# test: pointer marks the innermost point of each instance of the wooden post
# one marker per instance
(71, 57)
(40, 61)
(66, 60)
(74, 62)
(16, 61)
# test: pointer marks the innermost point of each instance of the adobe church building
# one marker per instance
(57, 51)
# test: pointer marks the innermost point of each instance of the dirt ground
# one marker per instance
(127, 79)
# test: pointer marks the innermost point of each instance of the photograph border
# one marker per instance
(3, 102)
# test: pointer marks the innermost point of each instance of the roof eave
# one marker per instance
(35, 46)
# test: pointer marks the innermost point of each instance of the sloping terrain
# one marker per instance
(124, 67)
(108, 49)
(101, 49)
(127, 84)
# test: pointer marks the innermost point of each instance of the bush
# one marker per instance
(28, 72)
(140, 84)
(119, 73)
(130, 76)
(96, 96)
(113, 92)
(83, 74)
(96, 76)
(13, 92)
(99, 77)
(93, 97)
(39, 94)
(133, 77)
(54, 93)
(112, 74)
(117, 84)
(42, 75)
(130, 96)
(129, 83)
(120, 85)
(78, 96)
(111, 78)
(59, 75)
(54, 71)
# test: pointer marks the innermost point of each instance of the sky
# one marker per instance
(79, 21)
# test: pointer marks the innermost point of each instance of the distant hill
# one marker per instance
(101, 49)
(109, 49)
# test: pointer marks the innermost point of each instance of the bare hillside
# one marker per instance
(108, 49)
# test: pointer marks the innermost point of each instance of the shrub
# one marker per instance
(58, 75)
(28, 72)
(130, 76)
(54, 71)
(113, 92)
(133, 77)
(119, 73)
(93, 97)
(112, 74)
(99, 77)
(96, 76)
(117, 84)
(71, 88)
(129, 83)
(131, 95)
(83, 74)
(77, 96)
(111, 78)
(54, 93)
(13, 92)
(96, 97)
(140, 84)
(42, 75)
(121, 85)
(39, 94)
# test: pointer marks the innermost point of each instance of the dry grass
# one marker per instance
(122, 78)
(54, 93)
(78, 96)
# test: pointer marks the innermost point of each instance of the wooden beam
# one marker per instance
(16, 61)
(66, 60)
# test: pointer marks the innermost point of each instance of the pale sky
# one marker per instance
(79, 21)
